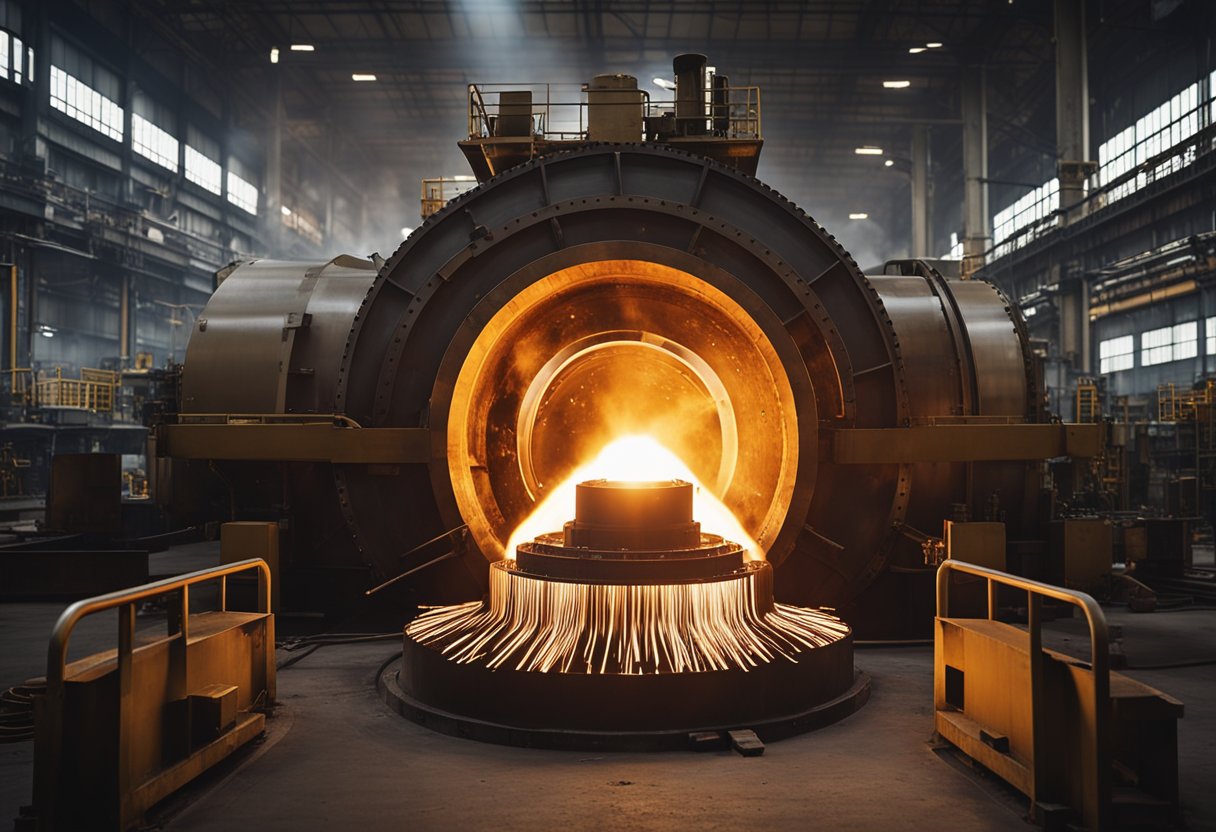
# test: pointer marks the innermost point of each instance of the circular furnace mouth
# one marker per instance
(630, 627)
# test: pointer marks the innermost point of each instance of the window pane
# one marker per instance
(242, 194)
(153, 143)
(202, 171)
(1116, 354)
(81, 102)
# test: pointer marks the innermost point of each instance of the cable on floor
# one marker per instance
(17, 712)
(308, 645)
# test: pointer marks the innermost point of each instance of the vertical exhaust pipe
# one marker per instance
(690, 93)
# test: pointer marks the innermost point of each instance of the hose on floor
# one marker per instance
(17, 712)
(307, 645)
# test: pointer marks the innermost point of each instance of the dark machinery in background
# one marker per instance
(404, 420)
(1154, 483)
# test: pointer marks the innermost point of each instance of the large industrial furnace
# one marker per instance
(407, 419)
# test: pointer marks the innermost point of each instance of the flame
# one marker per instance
(634, 458)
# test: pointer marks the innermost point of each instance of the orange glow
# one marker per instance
(632, 458)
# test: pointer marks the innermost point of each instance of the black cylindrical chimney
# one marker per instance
(690, 94)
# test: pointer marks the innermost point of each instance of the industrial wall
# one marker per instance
(131, 174)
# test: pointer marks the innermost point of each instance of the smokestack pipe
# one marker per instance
(690, 93)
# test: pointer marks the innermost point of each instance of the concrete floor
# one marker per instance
(336, 757)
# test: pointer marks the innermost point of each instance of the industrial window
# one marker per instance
(13, 53)
(149, 138)
(12, 59)
(78, 100)
(153, 143)
(202, 170)
(1169, 125)
(202, 166)
(1030, 210)
(1170, 343)
(1116, 354)
(85, 90)
(242, 194)
(1210, 346)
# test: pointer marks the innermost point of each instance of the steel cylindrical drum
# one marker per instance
(632, 289)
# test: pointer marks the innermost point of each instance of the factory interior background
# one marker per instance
(535, 414)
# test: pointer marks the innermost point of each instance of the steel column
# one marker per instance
(921, 222)
(273, 175)
(1072, 105)
(976, 235)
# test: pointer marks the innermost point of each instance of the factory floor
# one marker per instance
(336, 757)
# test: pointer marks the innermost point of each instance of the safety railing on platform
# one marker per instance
(559, 112)
(94, 391)
(439, 191)
(1088, 401)
(138, 788)
(1174, 405)
(1094, 717)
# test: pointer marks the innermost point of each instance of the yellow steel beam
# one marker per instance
(300, 442)
(965, 443)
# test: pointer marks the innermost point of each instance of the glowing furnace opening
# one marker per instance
(592, 353)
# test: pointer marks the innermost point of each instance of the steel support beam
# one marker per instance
(1072, 105)
(295, 443)
(921, 206)
(1074, 312)
(273, 174)
(976, 236)
(965, 443)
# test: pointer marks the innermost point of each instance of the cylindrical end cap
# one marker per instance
(688, 62)
(612, 514)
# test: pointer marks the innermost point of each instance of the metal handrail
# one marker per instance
(742, 109)
(1099, 633)
(56, 660)
(1099, 662)
(49, 749)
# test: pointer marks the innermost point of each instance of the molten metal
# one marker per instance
(534, 624)
(630, 619)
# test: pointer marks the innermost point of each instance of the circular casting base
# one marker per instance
(622, 713)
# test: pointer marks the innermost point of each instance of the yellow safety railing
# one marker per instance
(559, 112)
(52, 753)
(1175, 405)
(1093, 717)
(94, 391)
(1089, 405)
(439, 191)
